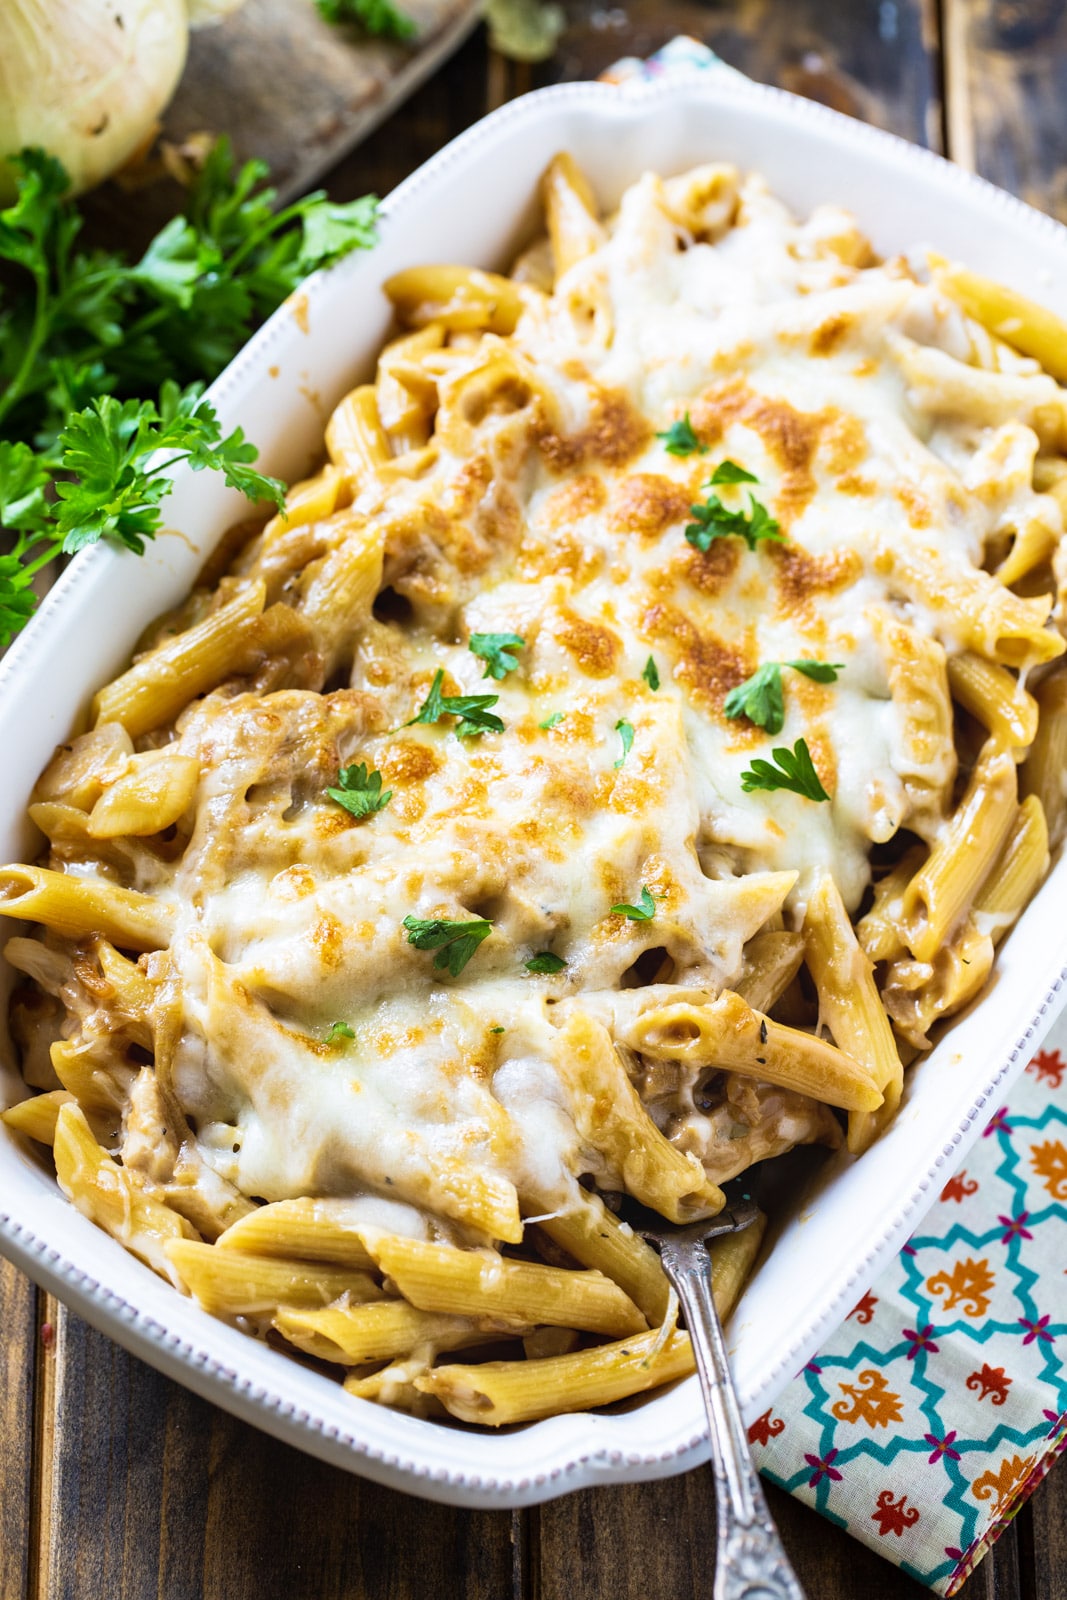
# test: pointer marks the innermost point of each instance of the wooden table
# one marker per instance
(116, 1484)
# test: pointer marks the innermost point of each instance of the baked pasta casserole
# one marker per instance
(605, 774)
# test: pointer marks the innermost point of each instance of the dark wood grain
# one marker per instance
(18, 1333)
(875, 59)
(156, 1495)
(1006, 90)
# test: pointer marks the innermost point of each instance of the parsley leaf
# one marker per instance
(454, 942)
(472, 708)
(759, 698)
(680, 439)
(360, 792)
(730, 472)
(651, 673)
(85, 335)
(495, 649)
(644, 911)
(625, 731)
(339, 1030)
(379, 18)
(552, 722)
(545, 961)
(795, 771)
(818, 671)
(716, 521)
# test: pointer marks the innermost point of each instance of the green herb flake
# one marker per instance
(730, 472)
(545, 961)
(644, 911)
(378, 18)
(497, 1029)
(360, 792)
(454, 942)
(650, 673)
(759, 698)
(713, 520)
(794, 770)
(818, 671)
(680, 439)
(339, 1030)
(473, 709)
(551, 722)
(495, 649)
(625, 731)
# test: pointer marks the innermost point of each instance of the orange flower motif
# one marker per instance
(869, 1400)
(1048, 1065)
(991, 1381)
(968, 1284)
(1004, 1483)
(959, 1186)
(1049, 1161)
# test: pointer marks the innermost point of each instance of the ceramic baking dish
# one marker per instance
(474, 202)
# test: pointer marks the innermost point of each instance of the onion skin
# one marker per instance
(86, 80)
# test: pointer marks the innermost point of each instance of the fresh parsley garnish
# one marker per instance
(454, 942)
(794, 771)
(86, 335)
(759, 698)
(339, 1030)
(625, 731)
(680, 439)
(644, 911)
(497, 1029)
(713, 520)
(473, 709)
(495, 649)
(379, 18)
(545, 961)
(360, 792)
(729, 472)
(108, 490)
(651, 673)
(552, 722)
(818, 671)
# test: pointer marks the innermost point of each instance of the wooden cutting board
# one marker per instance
(297, 91)
(287, 87)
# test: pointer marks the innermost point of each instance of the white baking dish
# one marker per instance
(474, 202)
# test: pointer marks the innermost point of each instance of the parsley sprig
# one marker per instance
(497, 651)
(650, 673)
(339, 1030)
(544, 961)
(472, 709)
(760, 697)
(625, 731)
(379, 18)
(86, 335)
(793, 770)
(681, 439)
(454, 942)
(643, 911)
(360, 792)
(112, 485)
(714, 520)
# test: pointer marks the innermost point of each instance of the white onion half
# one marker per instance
(86, 79)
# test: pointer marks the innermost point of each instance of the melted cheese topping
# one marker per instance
(549, 509)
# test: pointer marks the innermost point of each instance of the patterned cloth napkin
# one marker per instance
(939, 1406)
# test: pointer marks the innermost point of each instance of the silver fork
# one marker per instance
(750, 1562)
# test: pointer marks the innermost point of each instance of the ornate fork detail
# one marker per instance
(750, 1562)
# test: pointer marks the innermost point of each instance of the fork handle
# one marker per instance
(750, 1561)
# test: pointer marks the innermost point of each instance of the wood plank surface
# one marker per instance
(1006, 94)
(130, 1488)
